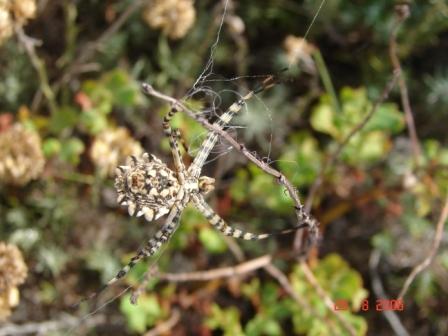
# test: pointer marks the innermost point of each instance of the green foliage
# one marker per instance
(373, 141)
(142, 315)
(259, 188)
(113, 89)
(341, 283)
(101, 260)
(52, 258)
(301, 159)
(71, 149)
(212, 240)
(65, 117)
(225, 319)
(72, 233)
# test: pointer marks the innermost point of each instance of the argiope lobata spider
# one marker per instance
(149, 188)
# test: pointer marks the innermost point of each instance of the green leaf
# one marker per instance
(71, 150)
(93, 120)
(322, 119)
(212, 240)
(124, 90)
(386, 118)
(301, 159)
(142, 315)
(227, 319)
(51, 146)
(334, 276)
(52, 258)
(63, 118)
(102, 260)
(263, 325)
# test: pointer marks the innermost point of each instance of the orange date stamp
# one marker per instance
(378, 305)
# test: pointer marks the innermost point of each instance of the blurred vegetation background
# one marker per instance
(72, 110)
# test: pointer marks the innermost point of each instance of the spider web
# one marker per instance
(203, 86)
(218, 103)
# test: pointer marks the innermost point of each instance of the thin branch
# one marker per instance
(432, 252)
(380, 293)
(335, 156)
(402, 12)
(326, 298)
(46, 327)
(166, 326)
(301, 214)
(223, 272)
(284, 282)
(29, 45)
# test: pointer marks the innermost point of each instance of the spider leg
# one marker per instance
(223, 120)
(217, 222)
(153, 245)
(172, 137)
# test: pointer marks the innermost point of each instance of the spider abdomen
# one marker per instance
(146, 186)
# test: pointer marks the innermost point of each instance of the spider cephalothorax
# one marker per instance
(206, 184)
(146, 186)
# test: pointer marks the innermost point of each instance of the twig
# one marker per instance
(223, 272)
(335, 156)
(432, 252)
(402, 12)
(46, 327)
(380, 293)
(39, 65)
(284, 282)
(325, 297)
(301, 214)
(166, 326)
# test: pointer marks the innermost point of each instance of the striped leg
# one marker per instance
(222, 226)
(170, 134)
(223, 120)
(153, 245)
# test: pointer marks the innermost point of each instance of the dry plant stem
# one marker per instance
(165, 327)
(390, 315)
(402, 13)
(47, 327)
(302, 215)
(284, 282)
(325, 297)
(224, 272)
(29, 44)
(432, 252)
(334, 157)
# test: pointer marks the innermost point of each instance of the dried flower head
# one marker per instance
(6, 28)
(110, 149)
(174, 17)
(19, 11)
(13, 269)
(23, 10)
(299, 50)
(8, 298)
(21, 157)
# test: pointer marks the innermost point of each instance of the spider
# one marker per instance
(149, 188)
